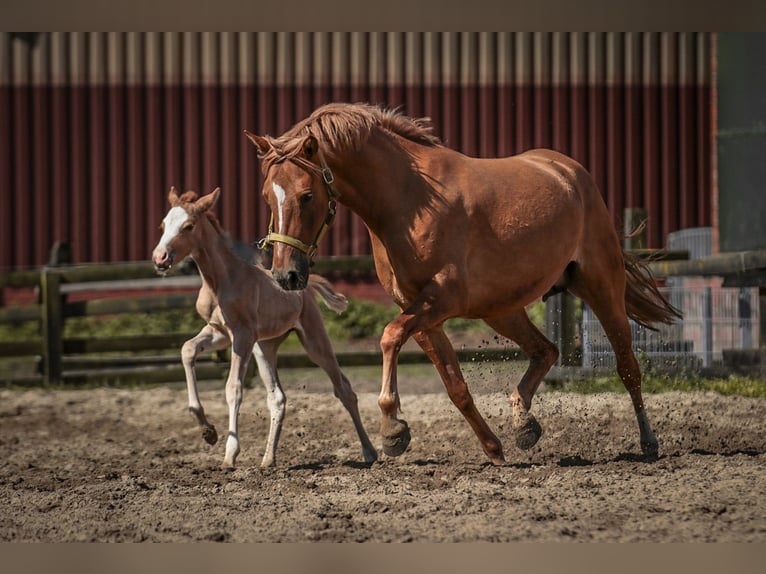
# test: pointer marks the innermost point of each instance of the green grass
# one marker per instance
(365, 319)
(126, 324)
(734, 385)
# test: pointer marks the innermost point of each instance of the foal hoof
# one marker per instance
(210, 435)
(528, 431)
(396, 443)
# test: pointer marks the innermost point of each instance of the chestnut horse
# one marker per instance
(244, 307)
(455, 236)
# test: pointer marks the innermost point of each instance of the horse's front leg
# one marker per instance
(395, 432)
(208, 339)
(431, 307)
(242, 345)
(439, 349)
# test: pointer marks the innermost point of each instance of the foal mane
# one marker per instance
(188, 198)
(340, 127)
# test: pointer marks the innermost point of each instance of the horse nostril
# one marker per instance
(163, 259)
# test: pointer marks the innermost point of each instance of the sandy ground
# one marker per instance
(130, 465)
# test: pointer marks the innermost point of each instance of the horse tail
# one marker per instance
(320, 286)
(643, 301)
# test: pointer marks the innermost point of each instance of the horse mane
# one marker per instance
(341, 127)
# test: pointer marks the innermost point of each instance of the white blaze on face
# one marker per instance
(173, 221)
(280, 194)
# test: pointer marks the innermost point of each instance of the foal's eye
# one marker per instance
(306, 198)
(187, 227)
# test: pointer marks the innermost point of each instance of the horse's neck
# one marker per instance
(215, 260)
(381, 198)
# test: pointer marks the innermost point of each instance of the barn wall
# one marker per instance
(95, 127)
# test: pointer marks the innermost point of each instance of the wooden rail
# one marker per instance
(64, 360)
(61, 360)
(55, 284)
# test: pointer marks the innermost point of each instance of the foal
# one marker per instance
(244, 307)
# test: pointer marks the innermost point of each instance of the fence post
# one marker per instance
(52, 325)
(560, 326)
(707, 326)
(633, 217)
(587, 343)
(762, 317)
(744, 313)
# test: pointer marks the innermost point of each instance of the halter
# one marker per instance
(309, 250)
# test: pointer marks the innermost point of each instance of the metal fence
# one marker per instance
(715, 318)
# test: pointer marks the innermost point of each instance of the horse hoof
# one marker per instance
(528, 432)
(651, 449)
(395, 444)
(210, 435)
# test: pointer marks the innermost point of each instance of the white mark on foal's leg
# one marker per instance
(280, 194)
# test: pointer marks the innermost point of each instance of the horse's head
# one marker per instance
(178, 237)
(299, 190)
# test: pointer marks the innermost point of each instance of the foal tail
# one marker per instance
(320, 286)
(643, 301)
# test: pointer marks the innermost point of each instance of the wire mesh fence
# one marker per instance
(715, 319)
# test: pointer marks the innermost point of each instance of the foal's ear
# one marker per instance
(207, 201)
(260, 142)
(173, 197)
(310, 146)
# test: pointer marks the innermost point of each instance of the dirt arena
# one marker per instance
(130, 465)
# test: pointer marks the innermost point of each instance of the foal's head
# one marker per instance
(299, 191)
(178, 228)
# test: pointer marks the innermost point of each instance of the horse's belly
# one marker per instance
(501, 293)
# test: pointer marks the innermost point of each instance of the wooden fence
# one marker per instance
(135, 358)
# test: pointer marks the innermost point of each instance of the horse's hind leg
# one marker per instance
(542, 355)
(617, 329)
(609, 307)
(208, 339)
(265, 353)
(314, 339)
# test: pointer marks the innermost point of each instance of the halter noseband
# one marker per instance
(309, 250)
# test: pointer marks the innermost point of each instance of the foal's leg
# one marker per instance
(439, 349)
(241, 348)
(208, 339)
(314, 339)
(265, 353)
(542, 355)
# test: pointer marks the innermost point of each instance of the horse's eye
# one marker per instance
(306, 198)
(187, 227)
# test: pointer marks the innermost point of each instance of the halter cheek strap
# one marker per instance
(309, 250)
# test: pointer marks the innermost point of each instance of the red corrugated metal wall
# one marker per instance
(95, 127)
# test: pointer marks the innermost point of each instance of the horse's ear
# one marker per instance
(173, 197)
(260, 142)
(207, 201)
(310, 147)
